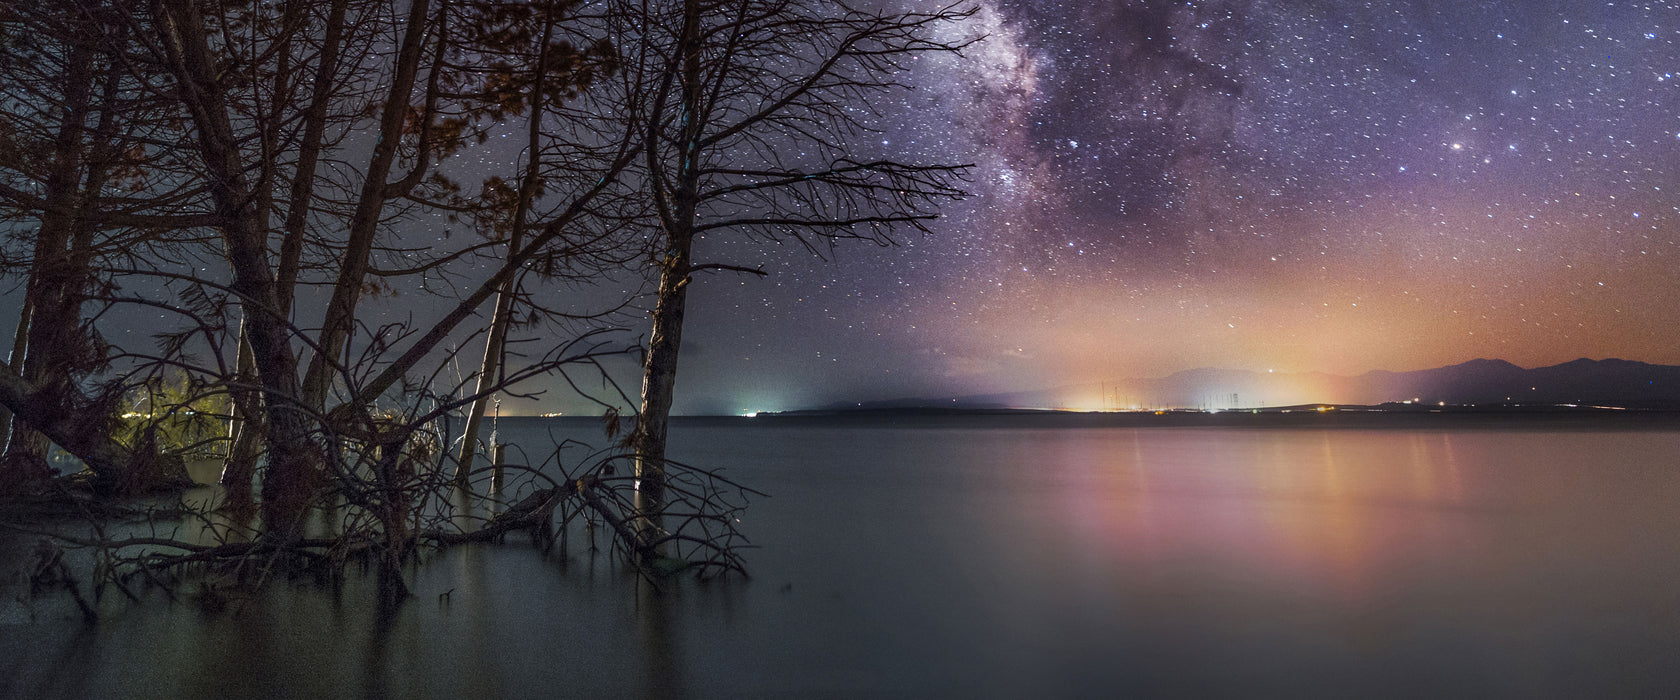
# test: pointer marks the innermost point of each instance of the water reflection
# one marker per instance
(1015, 562)
(1250, 546)
(376, 678)
(661, 654)
(1323, 513)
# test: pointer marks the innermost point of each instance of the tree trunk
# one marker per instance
(247, 429)
(48, 352)
(487, 376)
(20, 345)
(659, 370)
(659, 381)
(294, 467)
(364, 222)
(490, 370)
(249, 433)
(116, 469)
(309, 154)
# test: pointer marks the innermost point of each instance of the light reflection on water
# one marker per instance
(1015, 561)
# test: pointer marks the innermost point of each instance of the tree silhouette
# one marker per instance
(265, 175)
(749, 131)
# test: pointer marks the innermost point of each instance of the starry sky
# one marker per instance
(1294, 185)
(1298, 185)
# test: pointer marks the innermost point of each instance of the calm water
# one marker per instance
(999, 557)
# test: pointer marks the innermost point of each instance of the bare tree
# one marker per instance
(74, 196)
(295, 461)
(430, 89)
(751, 131)
(293, 146)
(519, 59)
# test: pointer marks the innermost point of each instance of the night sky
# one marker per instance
(1296, 185)
(1290, 185)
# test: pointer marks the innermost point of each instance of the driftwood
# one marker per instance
(700, 533)
(534, 512)
(586, 487)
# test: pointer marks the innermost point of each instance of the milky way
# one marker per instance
(1307, 186)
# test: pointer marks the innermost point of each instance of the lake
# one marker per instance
(1007, 556)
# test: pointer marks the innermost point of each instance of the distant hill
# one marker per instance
(1612, 382)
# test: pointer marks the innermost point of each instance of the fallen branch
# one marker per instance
(534, 512)
(586, 488)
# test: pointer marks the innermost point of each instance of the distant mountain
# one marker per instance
(1584, 382)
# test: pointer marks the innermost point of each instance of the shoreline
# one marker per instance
(1296, 417)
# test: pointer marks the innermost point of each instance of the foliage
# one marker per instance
(176, 415)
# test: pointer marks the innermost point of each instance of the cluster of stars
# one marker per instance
(1247, 183)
